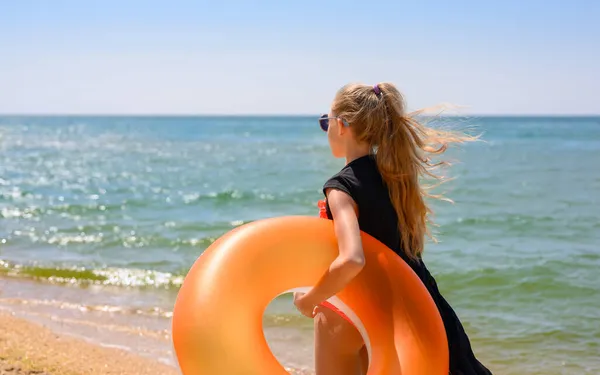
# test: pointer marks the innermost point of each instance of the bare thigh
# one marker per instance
(339, 347)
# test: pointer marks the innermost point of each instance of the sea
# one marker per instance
(102, 216)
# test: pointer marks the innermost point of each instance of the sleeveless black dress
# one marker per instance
(362, 181)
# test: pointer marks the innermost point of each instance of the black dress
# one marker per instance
(362, 181)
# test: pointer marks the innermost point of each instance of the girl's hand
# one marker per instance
(305, 307)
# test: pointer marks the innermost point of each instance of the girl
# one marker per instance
(378, 192)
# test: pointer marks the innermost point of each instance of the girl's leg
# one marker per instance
(337, 345)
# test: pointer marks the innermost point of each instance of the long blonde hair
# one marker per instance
(403, 147)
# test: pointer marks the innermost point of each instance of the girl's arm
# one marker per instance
(351, 258)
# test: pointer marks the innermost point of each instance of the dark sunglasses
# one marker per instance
(324, 121)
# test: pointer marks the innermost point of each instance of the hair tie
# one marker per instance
(376, 89)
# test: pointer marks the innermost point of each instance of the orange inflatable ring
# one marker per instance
(217, 317)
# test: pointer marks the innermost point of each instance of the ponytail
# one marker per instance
(402, 147)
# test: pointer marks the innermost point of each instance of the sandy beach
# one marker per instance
(30, 348)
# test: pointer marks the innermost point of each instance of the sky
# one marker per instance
(507, 57)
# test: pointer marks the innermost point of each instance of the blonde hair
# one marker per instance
(402, 146)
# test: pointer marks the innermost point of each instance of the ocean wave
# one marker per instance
(107, 201)
(115, 235)
(556, 226)
(557, 279)
(120, 277)
(64, 305)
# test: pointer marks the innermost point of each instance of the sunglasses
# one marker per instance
(324, 121)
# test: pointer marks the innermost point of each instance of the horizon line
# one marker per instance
(91, 114)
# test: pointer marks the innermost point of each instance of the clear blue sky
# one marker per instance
(279, 57)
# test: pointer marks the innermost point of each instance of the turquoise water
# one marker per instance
(133, 201)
